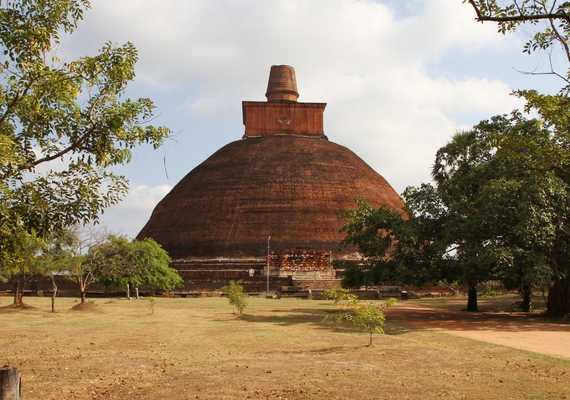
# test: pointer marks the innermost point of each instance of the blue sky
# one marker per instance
(400, 77)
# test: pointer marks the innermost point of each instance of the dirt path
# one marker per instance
(517, 330)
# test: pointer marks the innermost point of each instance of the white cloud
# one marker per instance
(129, 216)
(364, 58)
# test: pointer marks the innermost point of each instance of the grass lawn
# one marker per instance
(281, 349)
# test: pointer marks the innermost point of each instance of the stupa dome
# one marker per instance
(283, 179)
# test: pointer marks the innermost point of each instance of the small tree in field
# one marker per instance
(151, 304)
(369, 317)
(236, 296)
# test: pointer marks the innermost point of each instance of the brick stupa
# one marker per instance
(284, 180)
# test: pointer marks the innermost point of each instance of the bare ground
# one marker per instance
(525, 331)
(281, 349)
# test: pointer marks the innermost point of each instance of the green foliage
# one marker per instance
(354, 276)
(151, 304)
(153, 266)
(498, 210)
(236, 296)
(73, 112)
(400, 248)
(26, 258)
(145, 264)
(340, 295)
(369, 317)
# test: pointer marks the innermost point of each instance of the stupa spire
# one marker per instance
(282, 85)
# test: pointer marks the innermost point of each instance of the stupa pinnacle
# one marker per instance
(282, 85)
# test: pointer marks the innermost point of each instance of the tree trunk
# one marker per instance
(10, 384)
(128, 291)
(137, 292)
(53, 293)
(18, 292)
(558, 304)
(526, 293)
(472, 298)
(370, 339)
(81, 281)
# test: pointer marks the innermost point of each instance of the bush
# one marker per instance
(369, 317)
(353, 277)
(340, 295)
(236, 296)
(151, 304)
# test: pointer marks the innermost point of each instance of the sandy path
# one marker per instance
(517, 330)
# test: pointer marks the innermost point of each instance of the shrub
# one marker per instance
(369, 317)
(236, 296)
(151, 304)
(353, 276)
(340, 295)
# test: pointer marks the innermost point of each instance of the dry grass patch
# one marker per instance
(280, 349)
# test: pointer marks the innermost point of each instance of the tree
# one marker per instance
(23, 263)
(73, 112)
(496, 212)
(153, 269)
(108, 262)
(120, 262)
(500, 177)
(551, 19)
(236, 296)
(370, 318)
(57, 256)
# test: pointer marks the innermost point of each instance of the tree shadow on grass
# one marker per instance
(325, 350)
(11, 308)
(425, 318)
(321, 319)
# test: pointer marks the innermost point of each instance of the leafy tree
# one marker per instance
(369, 317)
(497, 211)
(236, 296)
(551, 22)
(354, 276)
(73, 112)
(153, 269)
(57, 256)
(500, 179)
(24, 262)
(120, 262)
(401, 248)
(111, 262)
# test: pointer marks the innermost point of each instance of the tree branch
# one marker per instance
(61, 153)
(518, 18)
(15, 100)
(563, 42)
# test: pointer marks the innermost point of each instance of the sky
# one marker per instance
(400, 78)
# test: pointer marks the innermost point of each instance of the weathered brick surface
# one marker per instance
(265, 119)
(305, 260)
(291, 187)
